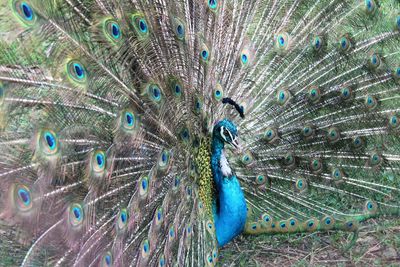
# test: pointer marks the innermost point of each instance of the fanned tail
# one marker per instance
(322, 127)
(107, 107)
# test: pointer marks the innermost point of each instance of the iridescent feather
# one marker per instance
(153, 133)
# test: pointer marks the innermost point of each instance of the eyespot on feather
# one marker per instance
(107, 259)
(282, 42)
(140, 25)
(48, 142)
(21, 198)
(76, 215)
(112, 30)
(345, 43)
(24, 12)
(122, 220)
(76, 72)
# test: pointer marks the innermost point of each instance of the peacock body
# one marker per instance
(120, 124)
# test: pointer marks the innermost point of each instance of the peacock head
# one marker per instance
(226, 132)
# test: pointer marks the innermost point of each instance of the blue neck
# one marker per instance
(230, 209)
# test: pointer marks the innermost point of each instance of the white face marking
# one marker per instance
(223, 163)
(224, 136)
(221, 132)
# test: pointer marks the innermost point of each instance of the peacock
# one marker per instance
(157, 133)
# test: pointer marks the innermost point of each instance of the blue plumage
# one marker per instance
(230, 209)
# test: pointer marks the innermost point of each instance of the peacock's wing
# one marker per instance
(322, 125)
(101, 115)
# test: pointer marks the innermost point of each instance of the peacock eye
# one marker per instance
(154, 93)
(24, 12)
(107, 259)
(300, 185)
(283, 96)
(247, 158)
(266, 218)
(161, 261)
(198, 105)
(164, 159)
(333, 134)
(244, 58)
(113, 30)
(177, 89)
(215, 254)
(158, 216)
(76, 214)
(316, 165)
(143, 186)
(145, 248)
(317, 43)
(140, 25)
(22, 198)
(171, 233)
(374, 61)
(179, 29)
(311, 224)
(99, 161)
(371, 207)
(289, 160)
(282, 41)
(314, 94)
(76, 71)
(122, 219)
(143, 25)
(369, 6)
(346, 93)
(358, 142)
(213, 4)
(177, 182)
(49, 142)
(218, 92)
(394, 122)
(328, 221)
(375, 159)
(270, 134)
(204, 54)
(337, 174)
(370, 102)
(130, 119)
(345, 43)
(185, 135)
(260, 179)
(307, 131)
(27, 11)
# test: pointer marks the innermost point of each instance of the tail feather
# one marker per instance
(106, 110)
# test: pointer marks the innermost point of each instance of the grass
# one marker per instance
(378, 244)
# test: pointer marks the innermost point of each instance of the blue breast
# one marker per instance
(230, 209)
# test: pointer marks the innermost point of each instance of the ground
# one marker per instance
(378, 244)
